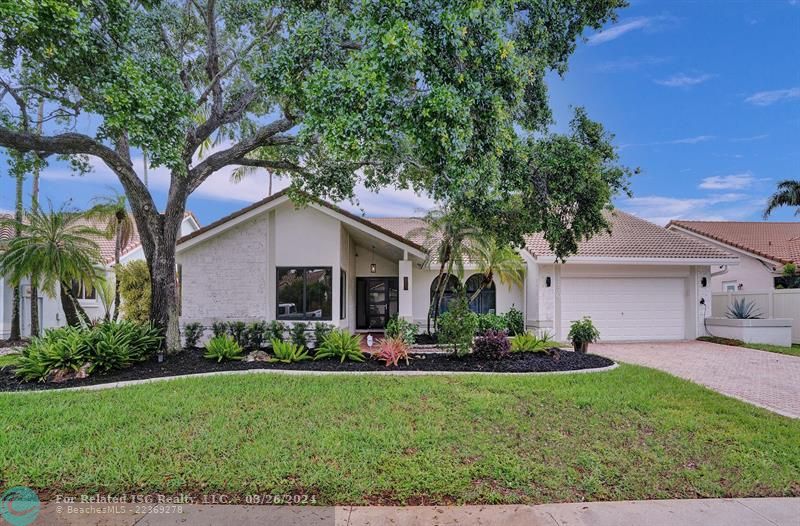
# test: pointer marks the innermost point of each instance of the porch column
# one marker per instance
(405, 271)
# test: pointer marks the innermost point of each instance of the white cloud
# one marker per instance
(690, 140)
(682, 80)
(616, 31)
(766, 98)
(728, 182)
(662, 209)
(629, 64)
(750, 139)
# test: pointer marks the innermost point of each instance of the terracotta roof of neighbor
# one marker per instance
(779, 242)
(105, 245)
(631, 237)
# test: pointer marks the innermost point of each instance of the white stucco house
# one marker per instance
(50, 311)
(763, 248)
(272, 260)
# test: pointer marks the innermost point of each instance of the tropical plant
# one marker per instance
(790, 277)
(53, 249)
(32, 363)
(495, 261)
(391, 351)
(457, 326)
(401, 328)
(65, 348)
(583, 332)
(321, 330)
(117, 222)
(491, 345)
(491, 322)
(277, 330)
(222, 348)
(142, 340)
(742, 309)
(342, 345)
(787, 194)
(298, 333)
(105, 291)
(288, 352)
(531, 342)
(238, 331)
(192, 332)
(219, 328)
(515, 321)
(135, 291)
(256, 332)
(111, 349)
(445, 234)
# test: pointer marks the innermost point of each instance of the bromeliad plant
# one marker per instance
(581, 333)
(223, 347)
(530, 342)
(391, 351)
(742, 309)
(342, 345)
(288, 352)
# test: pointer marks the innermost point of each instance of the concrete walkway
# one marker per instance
(765, 379)
(710, 512)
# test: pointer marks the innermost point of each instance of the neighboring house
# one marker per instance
(763, 249)
(272, 260)
(50, 312)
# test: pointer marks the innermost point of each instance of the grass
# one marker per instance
(631, 433)
(794, 350)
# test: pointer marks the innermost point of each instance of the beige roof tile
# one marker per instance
(776, 241)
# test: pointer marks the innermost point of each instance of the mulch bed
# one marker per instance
(12, 343)
(192, 362)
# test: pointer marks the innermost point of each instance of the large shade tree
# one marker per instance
(444, 96)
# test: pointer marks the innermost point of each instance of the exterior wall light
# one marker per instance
(703, 281)
(373, 268)
(547, 281)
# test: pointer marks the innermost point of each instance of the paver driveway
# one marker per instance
(765, 379)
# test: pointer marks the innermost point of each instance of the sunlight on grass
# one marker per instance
(632, 433)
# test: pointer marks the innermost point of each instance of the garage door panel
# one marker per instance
(626, 308)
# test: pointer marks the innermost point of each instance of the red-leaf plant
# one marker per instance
(391, 351)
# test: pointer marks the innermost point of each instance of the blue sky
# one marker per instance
(703, 96)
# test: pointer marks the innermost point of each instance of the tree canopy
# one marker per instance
(442, 96)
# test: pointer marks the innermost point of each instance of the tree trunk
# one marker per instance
(117, 255)
(73, 312)
(34, 206)
(15, 310)
(15, 334)
(487, 279)
(34, 310)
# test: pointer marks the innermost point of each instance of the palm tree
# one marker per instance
(119, 225)
(446, 236)
(493, 260)
(37, 167)
(788, 194)
(241, 173)
(54, 248)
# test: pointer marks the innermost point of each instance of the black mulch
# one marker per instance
(192, 362)
(12, 343)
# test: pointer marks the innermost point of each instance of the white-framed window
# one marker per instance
(730, 286)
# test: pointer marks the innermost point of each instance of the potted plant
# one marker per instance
(582, 333)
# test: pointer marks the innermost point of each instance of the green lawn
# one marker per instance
(794, 350)
(632, 433)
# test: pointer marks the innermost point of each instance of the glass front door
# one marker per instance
(376, 302)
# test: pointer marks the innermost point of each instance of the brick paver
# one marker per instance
(765, 379)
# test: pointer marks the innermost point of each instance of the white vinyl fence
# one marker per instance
(772, 304)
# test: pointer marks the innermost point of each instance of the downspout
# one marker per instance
(720, 272)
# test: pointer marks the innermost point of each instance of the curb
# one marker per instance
(291, 372)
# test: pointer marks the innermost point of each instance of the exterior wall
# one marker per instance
(751, 272)
(226, 279)
(770, 303)
(383, 267)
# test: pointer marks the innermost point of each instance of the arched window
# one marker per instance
(486, 300)
(450, 291)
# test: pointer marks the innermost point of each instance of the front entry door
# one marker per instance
(376, 302)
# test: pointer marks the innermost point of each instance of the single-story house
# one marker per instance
(763, 249)
(50, 311)
(273, 260)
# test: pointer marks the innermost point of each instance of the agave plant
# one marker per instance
(288, 352)
(342, 345)
(742, 309)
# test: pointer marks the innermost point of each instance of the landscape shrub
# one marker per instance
(515, 321)
(143, 340)
(276, 330)
(321, 330)
(530, 342)
(288, 352)
(342, 345)
(192, 332)
(391, 351)
(134, 289)
(742, 309)
(219, 328)
(583, 331)
(398, 327)
(491, 345)
(298, 334)
(223, 347)
(256, 333)
(238, 331)
(111, 350)
(457, 326)
(491, 322)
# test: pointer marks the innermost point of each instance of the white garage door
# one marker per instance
(626, 308)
